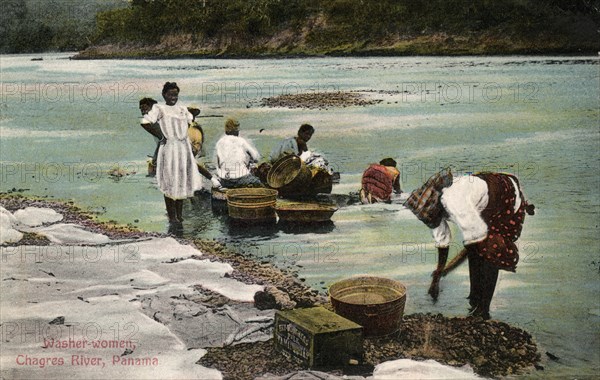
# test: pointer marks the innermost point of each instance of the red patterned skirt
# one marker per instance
(504, 224)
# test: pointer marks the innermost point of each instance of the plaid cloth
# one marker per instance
(425, 201)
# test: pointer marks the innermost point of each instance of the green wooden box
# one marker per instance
(317, 337)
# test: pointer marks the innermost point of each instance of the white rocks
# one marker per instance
(37, 216)
(69, 234)
(426, 369)
(8, 234)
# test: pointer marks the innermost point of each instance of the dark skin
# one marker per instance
(204, 171)
(145, 108)
(171, 96)
(443, 269)
(302, 140)
(434, 288)
(396, 185)
(150, 128)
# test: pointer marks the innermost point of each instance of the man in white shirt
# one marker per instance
(235, 157)
(294, 145)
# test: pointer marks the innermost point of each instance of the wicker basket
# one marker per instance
(252, 204)
(321, 182)
(300, 212)
(375, 303)
(290, 176)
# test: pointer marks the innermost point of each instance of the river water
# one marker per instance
(64, 124)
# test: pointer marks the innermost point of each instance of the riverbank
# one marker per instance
(166, 287)
(287, 46)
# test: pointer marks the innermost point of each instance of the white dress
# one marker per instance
(176, 170)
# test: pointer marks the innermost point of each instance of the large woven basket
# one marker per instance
(252, 204)
(375, 303)
(301, 212)
(321, 182)
(290, 176)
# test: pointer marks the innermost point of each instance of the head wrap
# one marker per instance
(232, 125)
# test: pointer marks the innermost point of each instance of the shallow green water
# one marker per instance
(65, 123)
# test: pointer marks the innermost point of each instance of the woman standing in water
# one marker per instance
(176, 170)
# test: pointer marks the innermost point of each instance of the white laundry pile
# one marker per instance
(122, 308)
(316, 160)
(393, 370)
(42, 221)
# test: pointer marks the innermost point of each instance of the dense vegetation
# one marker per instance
(31, 26)
(280, 27)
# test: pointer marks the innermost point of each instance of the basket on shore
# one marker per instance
(375, 303)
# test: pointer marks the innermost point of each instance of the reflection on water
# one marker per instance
(175, 229)
(203, 215)
(305, 228)
(237, 229)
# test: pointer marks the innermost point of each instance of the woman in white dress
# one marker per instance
(176, 169)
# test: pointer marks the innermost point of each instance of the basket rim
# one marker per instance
(306, 207)
(297, 161)
(251, 191)
(400, 290)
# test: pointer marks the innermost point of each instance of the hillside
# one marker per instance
(33, 26)
(272, 28)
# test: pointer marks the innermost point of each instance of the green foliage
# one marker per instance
(42, 25)
(151, 19)
(331, 24)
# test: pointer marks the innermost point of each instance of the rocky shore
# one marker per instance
(288, 44)
(490, 348)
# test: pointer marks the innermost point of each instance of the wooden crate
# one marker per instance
(317, 337)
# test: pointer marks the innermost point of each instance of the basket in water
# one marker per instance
(252, 204)
(301, 212)
(290, 176)
(375, 303)
(321, 181)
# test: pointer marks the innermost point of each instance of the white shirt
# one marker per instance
(234, 155)
(284, 148)
(464, 201)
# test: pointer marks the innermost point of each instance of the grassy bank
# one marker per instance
(427, 45)
(299, 28)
